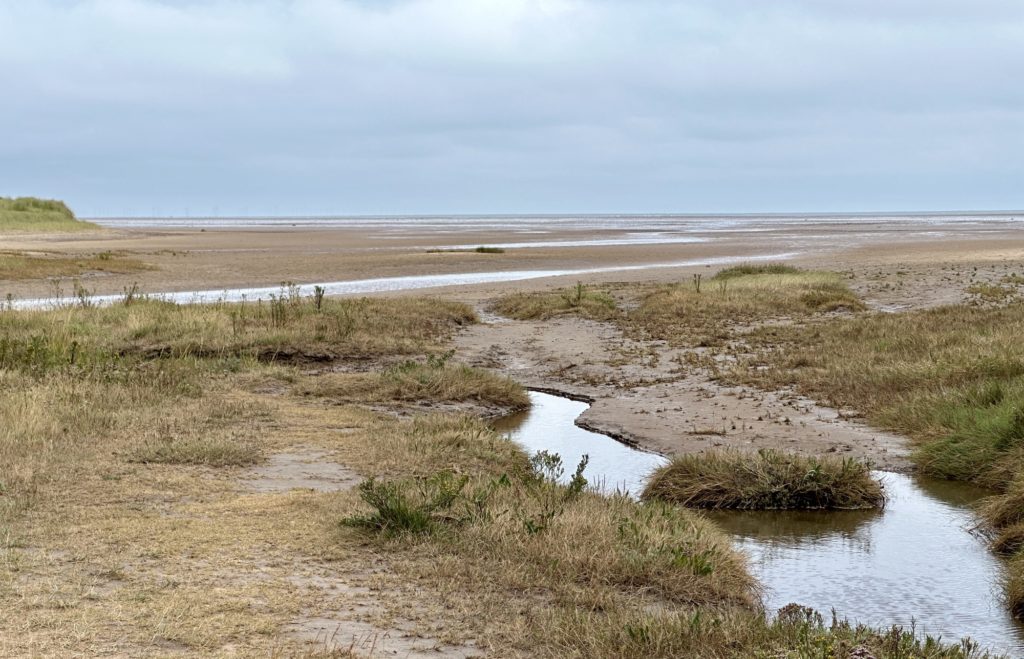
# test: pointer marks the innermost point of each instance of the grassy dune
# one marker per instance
(579, 300)
(766, 480)
(31, 215)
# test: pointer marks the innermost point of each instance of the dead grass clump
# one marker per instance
(436, 380)
(28, 214)
(579, 300)
(766, 480)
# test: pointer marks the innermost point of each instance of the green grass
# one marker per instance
(766, 480)
(950, 378)
(30, 215)
(747, 269)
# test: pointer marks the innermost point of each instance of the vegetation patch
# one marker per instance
(950, 378)
(435, 380)
(483, 249)
(205, 451)
(766, 480)
(579, 300)
(31, 215)
(15, 266)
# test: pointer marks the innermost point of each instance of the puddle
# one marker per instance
(386, 284)
(549, 425)
(916, 562)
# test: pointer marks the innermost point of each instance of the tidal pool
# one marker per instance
(914, 563)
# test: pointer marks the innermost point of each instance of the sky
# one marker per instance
(225, 107)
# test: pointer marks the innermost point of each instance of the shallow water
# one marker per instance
(387, 284)
(916, 562)
(549, 425)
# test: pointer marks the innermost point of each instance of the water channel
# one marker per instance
(916, 562)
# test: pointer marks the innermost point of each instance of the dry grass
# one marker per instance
(433, 381)
(18, 266)
(128, 527)
(698, 312)
(579, 300)
(30, 215)
(766, 480)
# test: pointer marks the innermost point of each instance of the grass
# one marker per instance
(950, 378)
(126, 523)
(766, 480)
(31, 215)
(579, 300)
(434, 381)
(286, 329)
(16, 266)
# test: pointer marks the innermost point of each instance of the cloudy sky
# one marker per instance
(473, 106)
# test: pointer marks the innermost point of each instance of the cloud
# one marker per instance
(512, 105)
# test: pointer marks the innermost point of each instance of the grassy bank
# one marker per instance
(698, 312)
(950, 378)
(167, 484)
(31, 215)
(766, 480)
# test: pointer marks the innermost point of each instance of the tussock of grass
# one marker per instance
(17, 266)
(579, 300)
(747, 269)
(436, 380)
(28, 214)
(766, 480)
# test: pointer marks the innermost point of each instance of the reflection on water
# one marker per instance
(915, 562)
(549, 425)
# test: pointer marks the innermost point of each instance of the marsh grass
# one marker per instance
(483, 249)
(16, 266)
(579, 300)
(288, 328)
(766, 480)
(435, 380)
(950, 378)
(28, 215)
(696, 312)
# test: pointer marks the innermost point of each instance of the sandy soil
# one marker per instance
(650, 402)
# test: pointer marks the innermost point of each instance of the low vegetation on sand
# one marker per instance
(477, 250)
(951, 378)
(16, 266)
(131, 517)
(30, 215)
(579, 300)
(698, 312)
(765, 480)
(435, 380)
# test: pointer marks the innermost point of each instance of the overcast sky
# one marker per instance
(474, 106)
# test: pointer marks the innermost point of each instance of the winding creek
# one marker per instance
(916, 562)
